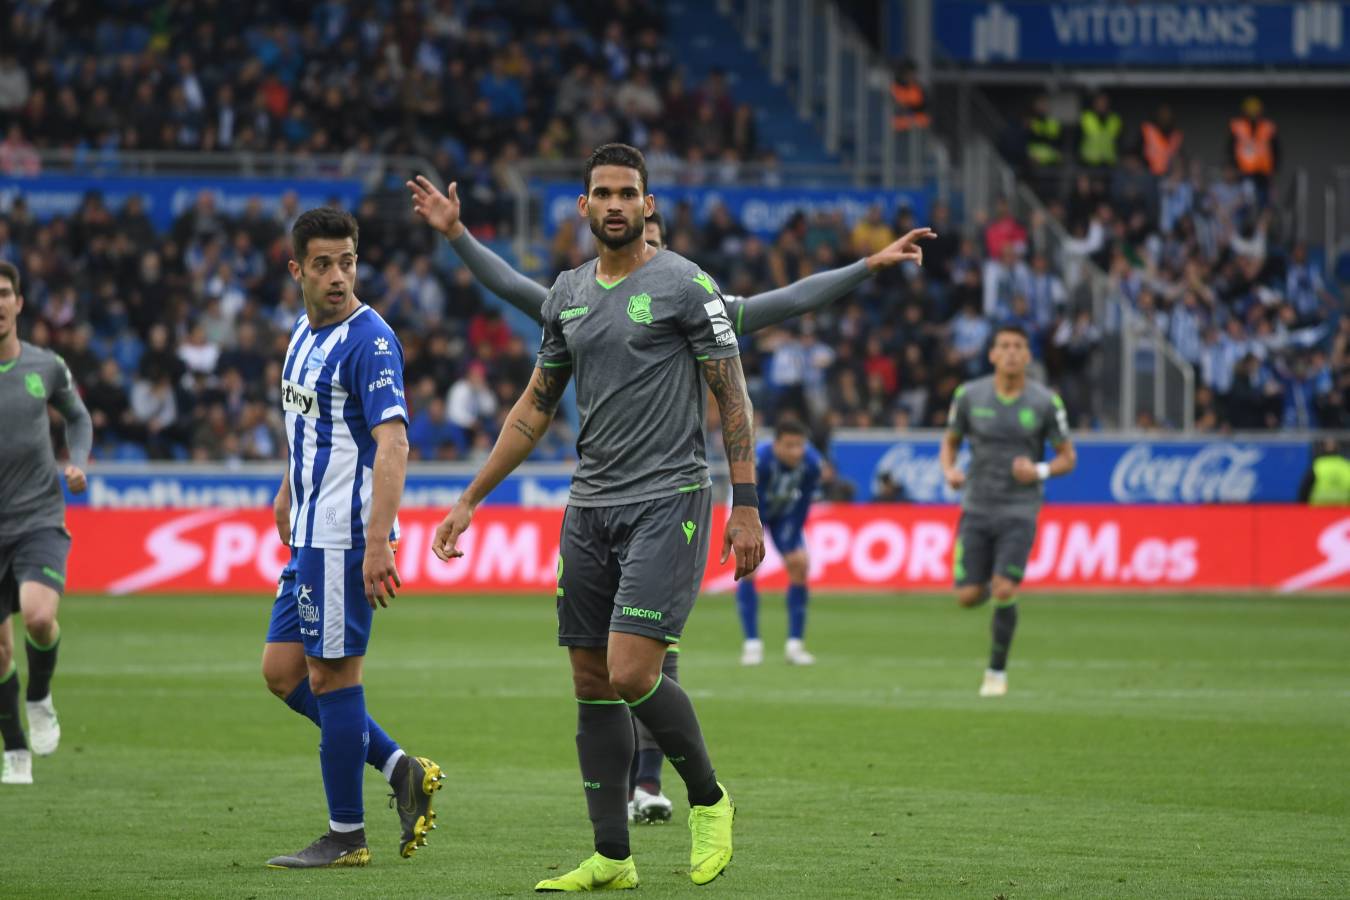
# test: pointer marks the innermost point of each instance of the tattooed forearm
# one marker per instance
(547, 388)
(525, 429)
(727, 382)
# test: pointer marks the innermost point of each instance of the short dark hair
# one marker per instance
(10, 271)
(789, 427)
(660, 222)
(322, 222)
(1012, 328)
(617, 155)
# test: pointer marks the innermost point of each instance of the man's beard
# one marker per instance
(634, 231)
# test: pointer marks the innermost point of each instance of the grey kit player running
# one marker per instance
(648, 804)
(641, 330)
(34, 541)
(1008, 421)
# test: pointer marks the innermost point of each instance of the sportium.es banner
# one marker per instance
(873, 547)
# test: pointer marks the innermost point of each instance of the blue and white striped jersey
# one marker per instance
(338, 384)
(785, 493)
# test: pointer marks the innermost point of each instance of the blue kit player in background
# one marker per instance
(787, 471)
(337, 509)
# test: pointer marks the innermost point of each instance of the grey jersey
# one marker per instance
(999, 431)
(30, 491)
(634, 349)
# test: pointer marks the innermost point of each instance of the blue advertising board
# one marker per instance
(1143, 471)
(1109, 471)
(166, 196)
(1151, 34)
(763, 211)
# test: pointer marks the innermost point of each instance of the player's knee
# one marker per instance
(591, 685)
(1003, 590)
(41, 625)
(632, 682)
(972, 595)
(798, 566)
(280, 683)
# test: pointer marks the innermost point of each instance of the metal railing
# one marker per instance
(840, 84)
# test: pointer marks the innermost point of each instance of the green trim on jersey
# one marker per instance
(740, 317)
(5, 367)
(555, 365)
(690, 488)
(610, 287)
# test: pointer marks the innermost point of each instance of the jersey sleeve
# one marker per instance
(958, 416)
(79, 427)
(376, 376)
(1057, 423)
(704, 321)
(553, 352)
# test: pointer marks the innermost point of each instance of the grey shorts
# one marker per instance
(987, 546)
(37, 556)
(635, 568)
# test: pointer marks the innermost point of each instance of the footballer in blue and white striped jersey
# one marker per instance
(338, 384)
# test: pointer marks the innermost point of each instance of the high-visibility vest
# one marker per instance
(1253, 147)
(1331, 482)
(1159, 148)
(912, 106)
(1098, 147)
(1043, 146)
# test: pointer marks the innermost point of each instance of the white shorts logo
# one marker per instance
(309, 612)
(299, 399)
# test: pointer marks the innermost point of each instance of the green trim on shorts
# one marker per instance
(690, 488)
(13, 670)
(645, 696)
(54, 575)
(600, 702)
(43, 648)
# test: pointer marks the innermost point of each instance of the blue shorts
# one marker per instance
(321, 603)
(786, 533)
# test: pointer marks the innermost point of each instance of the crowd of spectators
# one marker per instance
(471, 85)
(1196, 247)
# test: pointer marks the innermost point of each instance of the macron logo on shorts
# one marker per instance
(634, 613)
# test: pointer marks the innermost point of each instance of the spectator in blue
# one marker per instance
(502, 92)
(1305, 289)
(431, 432)
(970, 338)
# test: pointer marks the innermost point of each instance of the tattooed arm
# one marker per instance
(744, 533)
(525, 425)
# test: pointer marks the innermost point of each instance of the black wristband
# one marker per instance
(744, 495)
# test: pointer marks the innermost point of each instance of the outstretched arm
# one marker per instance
(442, 212)
(744, 533)
(525, 426)
(79, 430)
(820, 290)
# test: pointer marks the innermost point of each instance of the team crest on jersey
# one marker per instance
(309, 612)
(299, 399)
(33, 381)
(382, 347)
(1027, 417)
(317, 357)
(640, 308)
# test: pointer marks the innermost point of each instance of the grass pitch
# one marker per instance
(1150, 747)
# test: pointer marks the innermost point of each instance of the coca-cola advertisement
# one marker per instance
(881, 547)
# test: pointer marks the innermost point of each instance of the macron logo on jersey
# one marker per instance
(299, 399)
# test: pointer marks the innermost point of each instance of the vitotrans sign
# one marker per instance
(880, 466)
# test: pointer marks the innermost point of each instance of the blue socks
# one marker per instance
(382, 747)
(342, 755)
(747, 603)
(796, 610)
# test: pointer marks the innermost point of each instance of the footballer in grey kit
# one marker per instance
(641, 330)
(1008, 421)
(34, 541)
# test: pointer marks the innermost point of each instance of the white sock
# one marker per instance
(345, 827)
(388, 770)
(994, 673)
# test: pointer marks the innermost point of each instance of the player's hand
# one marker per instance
(75, 479)
(956, 479)
(380, 573)
(906, 249)
(1024, 470)
(744, 535)
(455, 523)
(441, 211)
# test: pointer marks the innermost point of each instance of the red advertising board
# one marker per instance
(852, 547)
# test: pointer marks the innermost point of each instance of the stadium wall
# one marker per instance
(879, 547)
